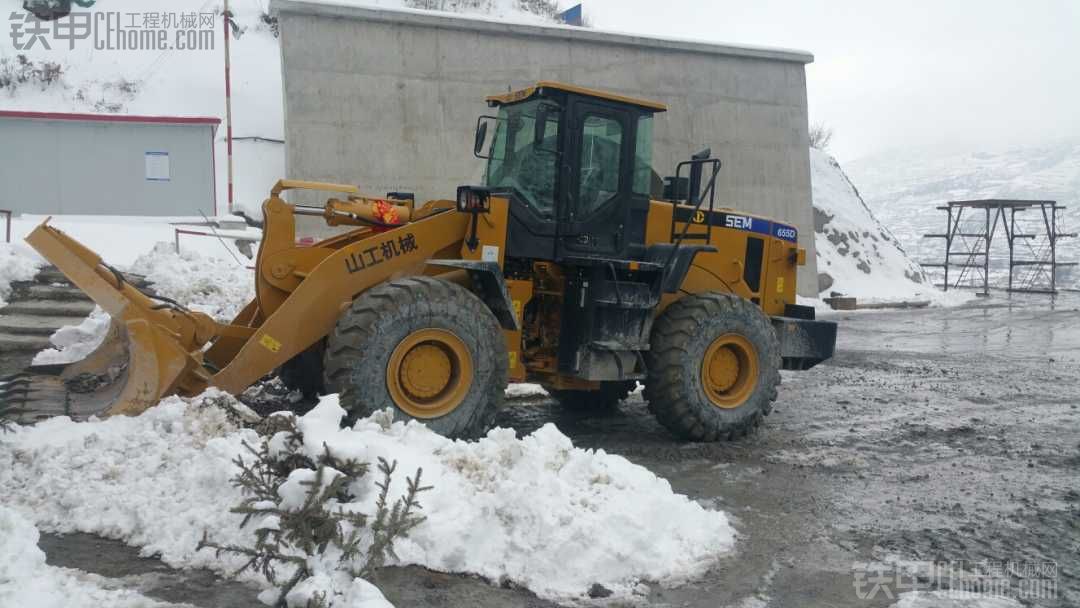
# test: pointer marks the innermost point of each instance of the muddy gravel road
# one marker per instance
(938, 449)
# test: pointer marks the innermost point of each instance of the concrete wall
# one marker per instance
(388, 100)
(99, 168)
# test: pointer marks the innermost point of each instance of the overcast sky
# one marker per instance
(955, 74)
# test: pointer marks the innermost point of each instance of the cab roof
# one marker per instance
(523, 94)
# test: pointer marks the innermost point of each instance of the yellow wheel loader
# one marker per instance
(573, 266)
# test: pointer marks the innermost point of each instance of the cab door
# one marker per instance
(593, 218)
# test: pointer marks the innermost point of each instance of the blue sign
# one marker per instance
(571, 16)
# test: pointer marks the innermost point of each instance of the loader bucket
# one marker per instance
(151, 349)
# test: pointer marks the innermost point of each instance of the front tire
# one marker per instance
(713, 364)
(428, 349)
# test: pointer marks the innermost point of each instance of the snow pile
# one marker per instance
(74, 342)
(536, 511)
(218, 287)
(18, 262)
(856, 255)
(26, 580)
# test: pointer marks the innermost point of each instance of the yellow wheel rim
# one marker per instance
(729, 371)
(429, 373)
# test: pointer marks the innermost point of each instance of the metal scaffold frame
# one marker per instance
(1038, 272)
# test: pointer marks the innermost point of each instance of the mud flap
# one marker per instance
(804, 343)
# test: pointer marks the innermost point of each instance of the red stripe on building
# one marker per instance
(171, 120)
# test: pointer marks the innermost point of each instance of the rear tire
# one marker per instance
(454, 387)
(606, 398)
(682, 388)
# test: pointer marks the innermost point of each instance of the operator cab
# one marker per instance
(577, 165)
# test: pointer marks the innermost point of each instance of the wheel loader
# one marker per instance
(573, 266)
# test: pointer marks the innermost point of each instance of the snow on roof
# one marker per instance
(368, 11)
(174, 120)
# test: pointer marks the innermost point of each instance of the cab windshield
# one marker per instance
(518, 161)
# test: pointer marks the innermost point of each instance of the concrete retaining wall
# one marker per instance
(389, 99)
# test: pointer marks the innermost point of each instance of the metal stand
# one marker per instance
(1038, 269)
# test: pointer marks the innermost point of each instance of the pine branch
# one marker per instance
(394, 522)
(321, 520)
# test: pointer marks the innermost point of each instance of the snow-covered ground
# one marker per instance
(856, 255)
(26, 580)
(535, 511)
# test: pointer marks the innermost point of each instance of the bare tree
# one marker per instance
(820, 136)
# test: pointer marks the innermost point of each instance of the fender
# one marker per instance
(488, 281)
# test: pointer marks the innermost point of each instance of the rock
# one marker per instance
(820, 219)
(824, 281)
(598, 591)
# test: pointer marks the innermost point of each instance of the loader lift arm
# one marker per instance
(165, 345)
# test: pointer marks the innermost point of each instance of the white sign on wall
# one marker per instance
(157, 166)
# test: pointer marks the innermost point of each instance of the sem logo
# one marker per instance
(699, 217)
(740, 222)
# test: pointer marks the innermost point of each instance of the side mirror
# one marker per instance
(481, 137)
(695, 175)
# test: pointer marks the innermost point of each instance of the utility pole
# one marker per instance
(228, 107)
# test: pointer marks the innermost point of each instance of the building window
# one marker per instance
(157, 166)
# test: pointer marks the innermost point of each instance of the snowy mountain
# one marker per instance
(857, 256)
(903, 189)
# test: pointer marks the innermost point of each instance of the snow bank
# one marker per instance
(856, 255)
(536, 510)
(216, 286)
(26, 580)
(18, 262)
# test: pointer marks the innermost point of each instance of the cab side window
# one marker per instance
(601, 152)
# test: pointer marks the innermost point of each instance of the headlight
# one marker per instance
(472, 200)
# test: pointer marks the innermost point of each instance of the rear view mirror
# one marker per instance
(481, 136)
